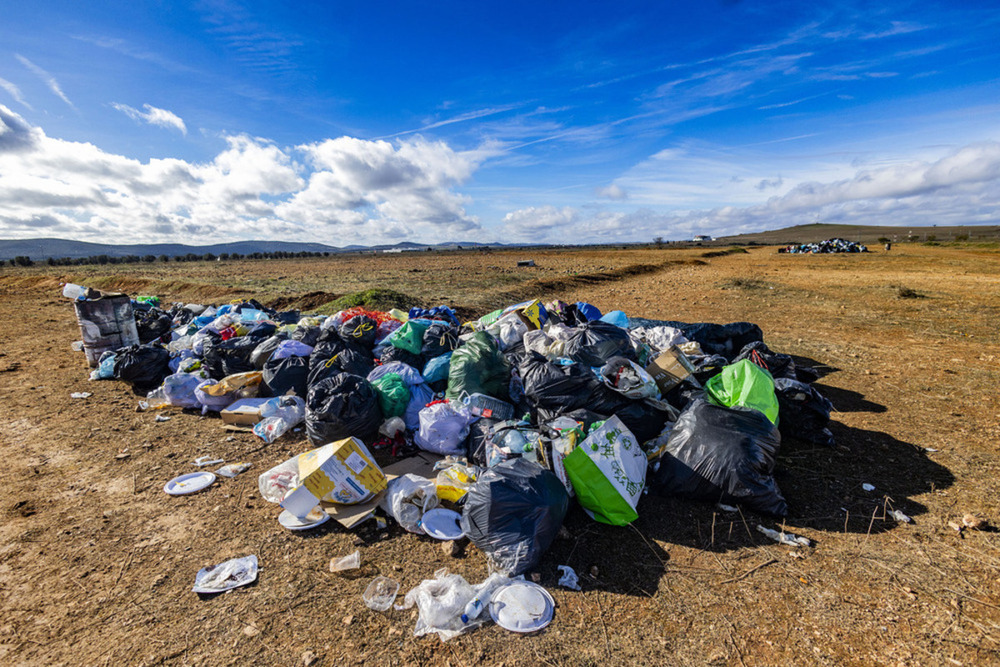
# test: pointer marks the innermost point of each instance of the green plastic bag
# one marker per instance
(745, 384)
(478, 366)
(393, 395)
(608, 473)
(410, 336)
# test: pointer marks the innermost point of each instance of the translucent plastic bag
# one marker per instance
(442, 600)
(278, 416)
(444, 426)
(407, 498)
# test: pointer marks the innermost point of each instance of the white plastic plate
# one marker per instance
(442, 524)
(522, 606)
(189, 483)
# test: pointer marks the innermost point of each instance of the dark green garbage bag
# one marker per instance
(478, 366)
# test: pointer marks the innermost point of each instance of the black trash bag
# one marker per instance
(479, 366)
(805, 413)
(361, 330)
(806, 374)
(644, 420)
(777, 364)
(439, 338)
(263, 330)
(263, 352)
(228, 357)
(332, 355)
(280, 376)
(724, 339)
(142, 366)
(721, 454)
(153, 325)
(477, 444)
(513, 512)
(307, 334)
(342, 406)
(393, 353)
(286, 317)
(593, 343)
(559, 389)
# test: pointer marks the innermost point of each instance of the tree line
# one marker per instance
(149, 259)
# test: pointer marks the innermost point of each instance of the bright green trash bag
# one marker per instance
(410, 336)
(608, 472)
(745, 384)
(393, 395)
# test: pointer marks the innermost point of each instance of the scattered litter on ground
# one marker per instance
(190, 483)
(900, 517)
(351, 562)
(381, 593)
(868, 487)
(227, 575)
(569, 579)
(835, 245)
(81, 394)
(789, 539)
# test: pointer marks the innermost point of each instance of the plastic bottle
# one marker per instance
(473, 609)
(75, 292)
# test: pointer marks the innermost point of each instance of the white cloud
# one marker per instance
(613, 191)
(338, 191)
(47, 78)
(14, 92)
(962, 187)
(153, 116)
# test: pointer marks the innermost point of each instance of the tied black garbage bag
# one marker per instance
(282, 376)
(360, 329)
(153, 325)
(263, 352)
(263, 330)
(439, 338)
(333, 355)
(721, 454)
(724, 339)
(479, 366)
(307, 334)
(560, 389)
(805, 413)
(513, 512)
(228, 357)
(594, 343)
(777, 364)
(393, 353)
(143, 366)
(342, 406)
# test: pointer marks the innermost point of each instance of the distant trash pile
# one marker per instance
(484, 431)
(825, 247)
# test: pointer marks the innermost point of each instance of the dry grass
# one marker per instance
(93, 554)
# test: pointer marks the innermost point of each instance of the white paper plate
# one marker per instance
(189, 483)
(522, 606)
(292, 522)
(442, 524)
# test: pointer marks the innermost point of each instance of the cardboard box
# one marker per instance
(349, 516)
(244, 412)
(343, 472)
(669, 369)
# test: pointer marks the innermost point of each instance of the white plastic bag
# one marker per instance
(279, 414)
(444, 427)
(407, 498)
(441, 602)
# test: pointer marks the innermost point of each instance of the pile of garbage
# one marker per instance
(824, 247)
(487, 430)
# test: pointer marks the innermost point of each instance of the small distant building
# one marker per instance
(703, 237)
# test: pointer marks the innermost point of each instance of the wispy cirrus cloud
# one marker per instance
(47, 78)
(153, 116)
(14, 91)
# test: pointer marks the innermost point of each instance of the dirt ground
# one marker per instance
(97, 562)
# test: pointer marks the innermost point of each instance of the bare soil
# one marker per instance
(97, 563)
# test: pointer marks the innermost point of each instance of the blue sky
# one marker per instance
(562, 122)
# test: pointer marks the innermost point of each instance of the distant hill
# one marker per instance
(868, 234)
(43, 248)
